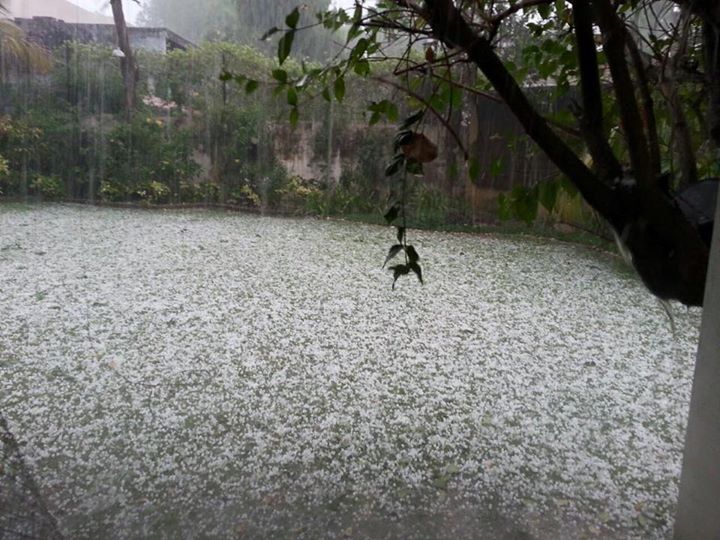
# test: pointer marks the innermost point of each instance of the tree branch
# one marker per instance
(648, 106)
(514, 8)
(437, 114)
(592, 120)
(711, 38)
(614, 42)
(451, 28)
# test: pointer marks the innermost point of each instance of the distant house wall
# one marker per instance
(57, 9)
(53, 33)
(154, 42)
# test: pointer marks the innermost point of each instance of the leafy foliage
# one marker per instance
(468, 50)
(400, 165)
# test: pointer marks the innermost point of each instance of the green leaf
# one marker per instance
(251, 86)
(504, 207)
(339, 88)
(391, 111)
(292, 19)
(547, 68)
(438, 101)
(392, 214)
(412, 254)
(326, 94)
(292, 96)
(359, 49)
(394, 250)
(266, 35)
(285, 46)
(400, 234)
(525, 203)
(225, 76)
(280, 75)
(548, 192)
(294, 116)
(354, 30)
(362, 68)
(544, 10)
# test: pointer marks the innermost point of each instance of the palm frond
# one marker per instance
(15, 46)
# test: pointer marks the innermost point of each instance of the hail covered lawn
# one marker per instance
(184, 374)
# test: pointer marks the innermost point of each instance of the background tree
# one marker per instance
(242, 21)
(614, 143)
(127, 59)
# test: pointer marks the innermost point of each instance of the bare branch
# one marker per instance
(648, 106)
(591, 121)
(450, 26)
(514, 8)
(614, 43)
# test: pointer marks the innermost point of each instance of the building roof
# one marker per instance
(58, 9)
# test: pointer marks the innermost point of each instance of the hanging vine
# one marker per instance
(412, 149)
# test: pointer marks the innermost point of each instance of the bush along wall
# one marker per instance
(200, 138)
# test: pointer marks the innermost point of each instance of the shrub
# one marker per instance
(50, 188)
(112, 192)
(143, 163)
(154, 192)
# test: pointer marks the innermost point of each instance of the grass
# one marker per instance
(507, 228)
(188, 373)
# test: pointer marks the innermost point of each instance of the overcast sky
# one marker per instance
(132, 9)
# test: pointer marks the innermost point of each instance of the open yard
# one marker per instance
(198, 374)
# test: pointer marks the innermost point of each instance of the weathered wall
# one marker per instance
(53, 33)
(505, 155)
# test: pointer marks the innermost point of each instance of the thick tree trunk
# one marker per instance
(698, 517)
(711, 45)
(127, 62)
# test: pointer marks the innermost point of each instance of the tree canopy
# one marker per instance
(636, 82)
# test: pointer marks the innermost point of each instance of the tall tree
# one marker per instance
(616, 117)
(128, 66)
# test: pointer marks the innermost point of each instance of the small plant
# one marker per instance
(208, 192)
(112, 191)
(300, 192)
(50, 188)
(154, 193)
(245, 196)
